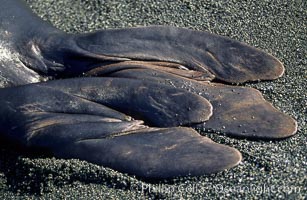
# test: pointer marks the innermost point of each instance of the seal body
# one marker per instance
(19, 29)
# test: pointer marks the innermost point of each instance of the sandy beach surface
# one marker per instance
(269, 170)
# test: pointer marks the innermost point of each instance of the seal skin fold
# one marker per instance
(151, 81)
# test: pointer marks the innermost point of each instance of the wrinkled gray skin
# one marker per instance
(151, 81)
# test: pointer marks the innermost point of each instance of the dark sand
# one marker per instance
(269, 169)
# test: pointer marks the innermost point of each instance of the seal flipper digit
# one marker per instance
(237, 111)
(229, 60)
(156, 104)
(156, 153)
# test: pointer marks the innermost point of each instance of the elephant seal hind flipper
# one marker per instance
(51, 52)
(74, 118)
(39, 51)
